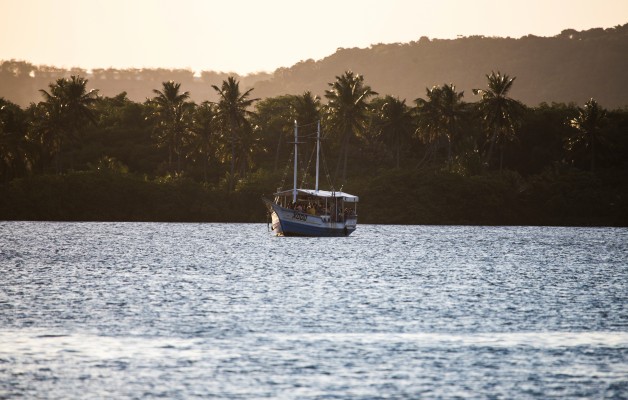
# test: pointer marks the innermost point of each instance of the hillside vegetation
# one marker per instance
(570, 67)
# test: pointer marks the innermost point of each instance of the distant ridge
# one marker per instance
(570, 67)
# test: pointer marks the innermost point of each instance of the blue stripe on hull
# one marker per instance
(295, 229)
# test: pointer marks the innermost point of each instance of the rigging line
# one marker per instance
(300, 166)
(329, 181)
(307, 169)
(308, 124)
(307, 135)
(325, 134)
(285, 171)
(325, 167)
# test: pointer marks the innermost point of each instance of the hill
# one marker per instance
(570, 67)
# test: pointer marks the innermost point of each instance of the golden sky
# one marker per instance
(251, 35)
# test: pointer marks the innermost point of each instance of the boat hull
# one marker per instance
(287, 222)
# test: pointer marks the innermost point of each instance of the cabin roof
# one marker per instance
(321, 193)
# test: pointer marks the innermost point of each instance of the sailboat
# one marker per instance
(312, 212)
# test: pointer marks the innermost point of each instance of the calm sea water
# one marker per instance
(144, 310)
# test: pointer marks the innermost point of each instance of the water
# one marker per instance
(143, 310)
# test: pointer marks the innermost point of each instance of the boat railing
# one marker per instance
(318, 211)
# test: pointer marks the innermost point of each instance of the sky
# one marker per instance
(246, 36)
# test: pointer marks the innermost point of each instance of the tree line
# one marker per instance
(20, 81)
(236, 147)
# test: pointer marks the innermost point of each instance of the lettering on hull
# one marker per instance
(299, 216)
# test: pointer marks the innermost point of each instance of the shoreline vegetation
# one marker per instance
(554, 198)
(441, 157)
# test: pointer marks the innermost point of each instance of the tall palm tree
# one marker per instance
(347, 109)
(395, 123)
(64, 111)
(587, 124)
(232, 113)
(307, 109)
(500, 113)
(275, 117)
(203, 134)
(247, 146)
(172, 112)
(440, 116)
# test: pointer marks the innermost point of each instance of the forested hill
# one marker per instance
(570, 67)
(573, 66)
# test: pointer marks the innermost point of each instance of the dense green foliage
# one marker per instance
(79, 156)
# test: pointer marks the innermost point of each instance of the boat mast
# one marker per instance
(294, 191)
(318, 150)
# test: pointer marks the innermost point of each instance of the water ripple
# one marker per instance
(129, 310)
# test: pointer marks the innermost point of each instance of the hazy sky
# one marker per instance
(251, 35)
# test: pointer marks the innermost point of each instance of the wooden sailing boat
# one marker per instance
(312, 212)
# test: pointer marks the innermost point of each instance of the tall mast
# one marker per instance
(294, 191)
(318, 150)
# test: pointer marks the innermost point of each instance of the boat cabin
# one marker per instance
(330, 206)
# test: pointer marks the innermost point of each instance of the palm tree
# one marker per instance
(64, 111)
(172, 112)
(307, 109)
(395, 123)
(440, 116)
(247, 146)
(232, 113)
(203, 132)
(275, 117)
(348, 110)
(15, 146)
(588, 135)
(499, 112)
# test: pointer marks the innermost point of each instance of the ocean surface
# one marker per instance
(180, 311)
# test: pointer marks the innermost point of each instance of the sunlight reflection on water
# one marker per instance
(114, 310)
